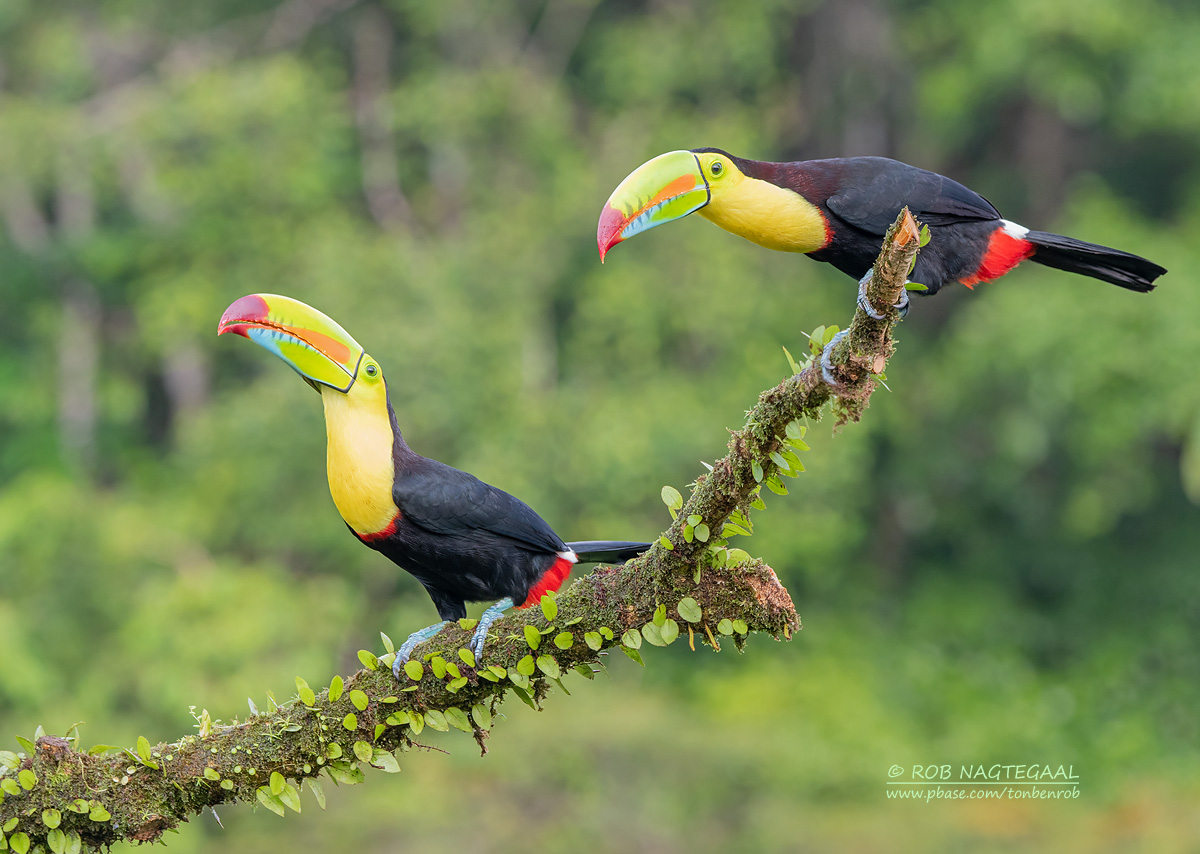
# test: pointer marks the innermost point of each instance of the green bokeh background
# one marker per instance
(998, 566)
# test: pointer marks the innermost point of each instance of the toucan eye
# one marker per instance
(371, 370)
(717, 168)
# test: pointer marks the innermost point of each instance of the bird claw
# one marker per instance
(901, 305)
(826, 364)
(406, 648)
(489, 616)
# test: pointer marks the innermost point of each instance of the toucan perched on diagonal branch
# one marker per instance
(464, 541)
(838, 211)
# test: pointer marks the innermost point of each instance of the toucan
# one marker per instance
(838, 210)
(464, 540)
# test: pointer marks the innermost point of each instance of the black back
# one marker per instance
(463, 539)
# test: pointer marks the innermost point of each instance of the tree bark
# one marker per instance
(688, 587)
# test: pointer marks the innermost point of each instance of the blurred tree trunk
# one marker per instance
(373, 114)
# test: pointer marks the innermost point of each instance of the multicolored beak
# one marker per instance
(313, 345)
(666, 188)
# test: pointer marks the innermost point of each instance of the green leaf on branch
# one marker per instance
(307, 695)
(290, 797)
(482, 716)
(385, 761)
(672, 498)
(791, 362)
(271, 802)
(457, 718)
(57, 841)
(318, 791)
(653, 635)
(533, 637)
(689, 609)
(346, 774)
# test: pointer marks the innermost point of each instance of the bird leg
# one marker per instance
(415, 638)
(489, 616)
(826, 364)
(901, 305)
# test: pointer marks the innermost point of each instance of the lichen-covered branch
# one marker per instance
(691, 586)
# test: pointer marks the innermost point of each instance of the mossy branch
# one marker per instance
(689, 585)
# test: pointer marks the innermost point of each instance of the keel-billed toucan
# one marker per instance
(464, 540)
(838, 211)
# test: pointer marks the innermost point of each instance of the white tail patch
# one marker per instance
(1014, 230)
(568, 556)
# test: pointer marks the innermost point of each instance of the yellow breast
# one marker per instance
(767, 215)
(359, 459)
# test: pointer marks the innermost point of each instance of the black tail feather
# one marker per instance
(607, 551)
(1090, 259)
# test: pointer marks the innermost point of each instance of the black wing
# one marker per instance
(445, 500)
(874, 189)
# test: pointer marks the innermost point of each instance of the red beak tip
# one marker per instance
(247, 309)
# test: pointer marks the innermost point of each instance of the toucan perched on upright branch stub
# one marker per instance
(838, 211)
(464, 540)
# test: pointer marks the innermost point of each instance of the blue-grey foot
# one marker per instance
(901, 305)
(415, 638)
(490, 616)
(826, 365)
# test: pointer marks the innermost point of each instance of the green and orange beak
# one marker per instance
(666, 188)
(315, 347)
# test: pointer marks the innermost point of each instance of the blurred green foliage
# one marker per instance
(998, 565)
